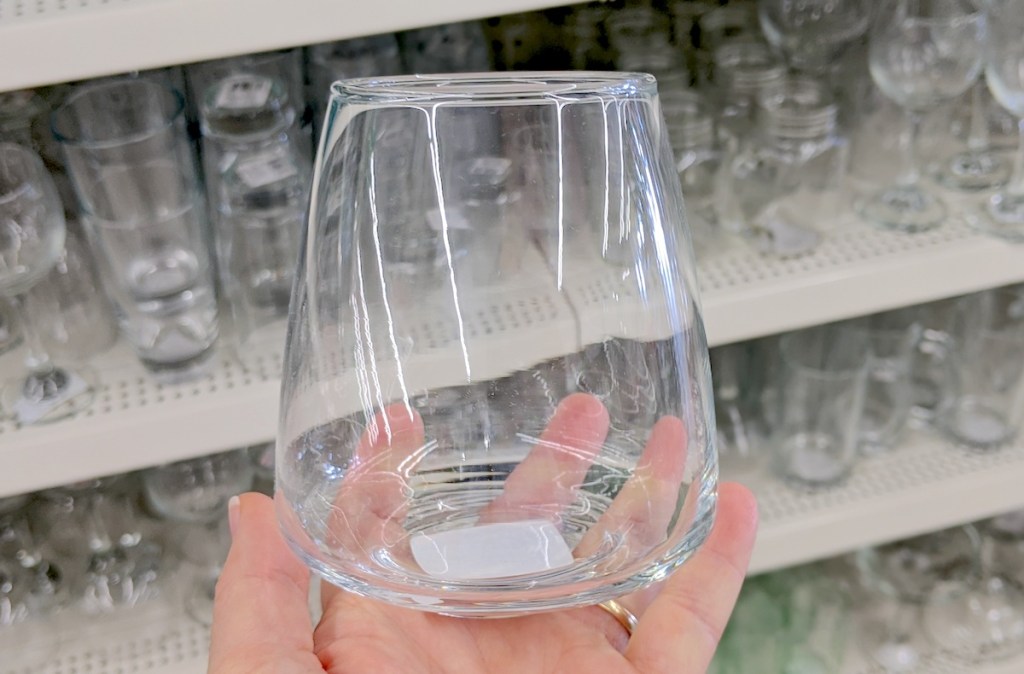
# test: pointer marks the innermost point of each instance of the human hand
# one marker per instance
(262, 624)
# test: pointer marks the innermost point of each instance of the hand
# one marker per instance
(261, 621)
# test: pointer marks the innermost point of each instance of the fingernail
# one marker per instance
(233, 514)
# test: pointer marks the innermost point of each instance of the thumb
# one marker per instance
(260, 615)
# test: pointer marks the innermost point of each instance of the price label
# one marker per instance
(241, 92)
(265, 169)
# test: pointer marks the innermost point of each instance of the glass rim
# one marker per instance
(74, 139)
(31, 159)
(497, 87)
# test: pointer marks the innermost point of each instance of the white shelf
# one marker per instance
(924, 485)
(56, 41)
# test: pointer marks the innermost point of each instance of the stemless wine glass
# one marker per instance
(922, 52)
(497, 502)
(31, 239)
(1004, 74)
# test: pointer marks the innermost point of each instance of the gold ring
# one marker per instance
(620, 613)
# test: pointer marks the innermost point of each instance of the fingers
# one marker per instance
(546, 480)
(645, 506)
(260, 615)
(680, 630)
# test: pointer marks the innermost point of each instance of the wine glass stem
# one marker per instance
(977, 134)
(37, 360)
(908, 140)
(1015, 186)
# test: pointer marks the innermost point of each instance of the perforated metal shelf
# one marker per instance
(924, 485)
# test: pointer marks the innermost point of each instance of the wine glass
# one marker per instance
(415, 465)
(921, 53)
(31, 239)
(1003, 213)
(195, 493)
(813, 34)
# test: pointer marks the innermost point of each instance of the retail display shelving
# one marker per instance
(54, 41)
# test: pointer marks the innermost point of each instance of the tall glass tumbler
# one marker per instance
(822, 400)
(416, 463)
(135, 178)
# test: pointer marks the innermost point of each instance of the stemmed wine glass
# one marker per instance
(813, 34)
(1003, 214)
(31, 239)
(978, 167)
(195, 494)
(507, 494)
(921, 53)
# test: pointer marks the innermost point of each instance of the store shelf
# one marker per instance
(924, 485)
(135, 423)
(56, 41)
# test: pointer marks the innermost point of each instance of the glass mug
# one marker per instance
(564, 486)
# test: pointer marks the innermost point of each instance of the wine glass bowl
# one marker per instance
(511, 413)
(813, 34)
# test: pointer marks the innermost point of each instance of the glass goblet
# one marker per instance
(1003, 213)
(979, 166)
(31, 239)
(414, 465)
(813, 34)
(195, 493)
(921, 53)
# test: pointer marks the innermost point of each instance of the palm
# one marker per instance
(359, 635)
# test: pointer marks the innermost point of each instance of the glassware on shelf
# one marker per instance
(32, 234)
(635, 29)
(921, 53)
(894, 340)
(777, 187)
(371, 56)
(195, 494)
(588, 43)
(133, 170)
(980, 166)
(257, 183)
(449, 48)
(725, 24)
(509, 502)
(1003, 212)
(813, 34)
(740, 438)
(824, 375)
(985, 409)
(691, 132)
(742, 71)
(76, 322)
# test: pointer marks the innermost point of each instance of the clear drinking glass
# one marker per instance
(922, 53)
(893, 342)
(32, 233)
(195, 494)
(135, 176)
(813, 34)
(824, 376)
(497, 492)
(449, 48)
(1003, 213)
(371, 56)
(691, 131)
(978, 167)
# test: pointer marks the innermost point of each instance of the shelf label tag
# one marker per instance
(242, 92)
(492, 551)
(265, 169)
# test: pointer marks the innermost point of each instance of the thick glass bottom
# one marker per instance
(977, 424)
(41, 398)
(1001, 215)
(977, 622)
(906, 208)
(973, 171)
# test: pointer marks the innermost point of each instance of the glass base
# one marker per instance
(981, 622)
(42, 399)
(976, 425)
(903, 208)
(1001, 215)
(973, 170)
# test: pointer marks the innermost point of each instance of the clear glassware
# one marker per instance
(135, 176)
(635, 29)
(792, 169)
(195, 493)
(31, 238)
(824, 377)
(739, 437)
(449, 48)
(721, 25)
(1003, 212)
(893, 342)
(589, 47)
(742, 71)
(813, 34)
(921, 53)
(371, 56)
(691, 132)
(542, 522)
(978, 167)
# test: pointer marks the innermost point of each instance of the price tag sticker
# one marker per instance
(265, 169)
(30, 411)
(241, 92)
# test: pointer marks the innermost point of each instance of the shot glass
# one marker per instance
(824, 378)
(134, 174)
